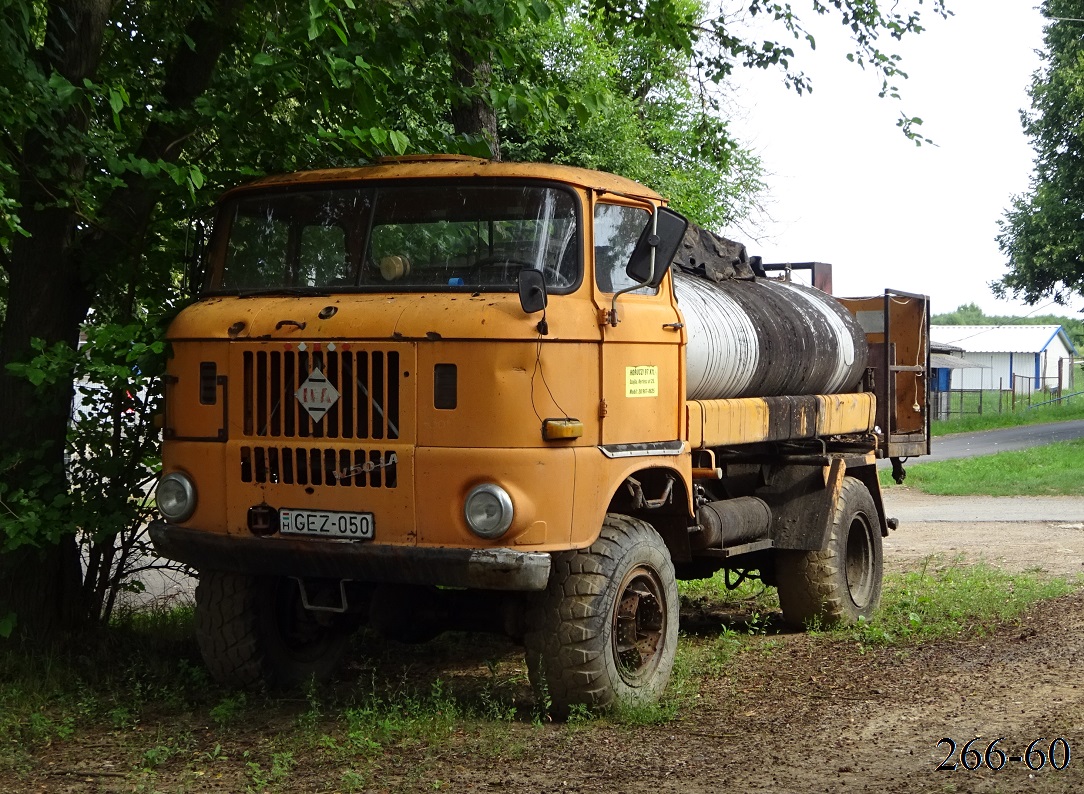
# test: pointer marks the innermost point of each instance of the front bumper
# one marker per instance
(485, 569)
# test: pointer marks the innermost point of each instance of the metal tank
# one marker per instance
(757, 337)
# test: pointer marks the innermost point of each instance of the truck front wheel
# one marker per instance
(254, 631)
(842, 583)
(605, 630)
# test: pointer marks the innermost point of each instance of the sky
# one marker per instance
(847, 187)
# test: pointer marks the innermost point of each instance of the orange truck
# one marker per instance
(446, 393)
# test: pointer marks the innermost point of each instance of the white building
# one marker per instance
(1020, 357)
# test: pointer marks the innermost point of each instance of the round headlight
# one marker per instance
(176, 497)
(488, 510)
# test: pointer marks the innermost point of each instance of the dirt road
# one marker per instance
(1015, 533)
(789, 713)
(803, 716)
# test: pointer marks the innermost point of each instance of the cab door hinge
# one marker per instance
(603, 409)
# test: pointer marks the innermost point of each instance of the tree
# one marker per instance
(118, 117)
(1042, 233)
(638, 115)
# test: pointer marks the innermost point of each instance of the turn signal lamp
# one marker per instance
(561, 429)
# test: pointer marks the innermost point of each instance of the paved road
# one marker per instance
(988, 442)
(908, 504)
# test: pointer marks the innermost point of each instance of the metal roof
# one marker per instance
(941, 361)
(1001, 338)
(450, 166)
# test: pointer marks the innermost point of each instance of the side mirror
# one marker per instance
(532, 290)
(656, 247)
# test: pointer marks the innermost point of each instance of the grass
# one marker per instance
(949, 600)
(1051, 470)
(970, 423)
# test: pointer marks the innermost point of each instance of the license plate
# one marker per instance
(326, 524)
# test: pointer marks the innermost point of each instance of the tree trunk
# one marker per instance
(474, 115)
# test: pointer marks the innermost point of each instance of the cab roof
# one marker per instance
(451, 165)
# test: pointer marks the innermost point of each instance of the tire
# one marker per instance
(254, 632)
(841, 584)
(605, 630)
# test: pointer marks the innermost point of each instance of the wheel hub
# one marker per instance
(859, 568)
(639, 625)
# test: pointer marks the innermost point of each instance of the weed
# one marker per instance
(44, 729)
(228, 709)
(757, 624)
(121, 717)
(308, 720)
(282, 763)
(353, 781)
(155, 756)
(217, 754)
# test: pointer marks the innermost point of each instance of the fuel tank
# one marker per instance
(758, 337)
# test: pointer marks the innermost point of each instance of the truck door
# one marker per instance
(643, 377)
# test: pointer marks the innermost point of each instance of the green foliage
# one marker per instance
(631, 109)
(112, 458)
(1041, 233)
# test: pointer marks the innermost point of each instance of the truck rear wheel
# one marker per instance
(605, 630)
(842, 583)
(254, 631)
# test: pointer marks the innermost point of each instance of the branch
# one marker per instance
(189, 73)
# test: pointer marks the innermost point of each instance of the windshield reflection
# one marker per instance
(452, 236)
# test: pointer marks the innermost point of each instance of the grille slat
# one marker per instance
(368, 383)
(356, 468)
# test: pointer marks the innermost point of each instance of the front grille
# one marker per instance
(306, 466)
(367, 382)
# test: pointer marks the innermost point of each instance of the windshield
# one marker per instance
(446, 236)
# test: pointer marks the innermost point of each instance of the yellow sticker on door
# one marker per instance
(641, 381)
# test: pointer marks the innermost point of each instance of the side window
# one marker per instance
(617, 229)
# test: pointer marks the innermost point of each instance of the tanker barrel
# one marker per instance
(760, 337)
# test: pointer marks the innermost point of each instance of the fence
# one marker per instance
(1022, 395)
